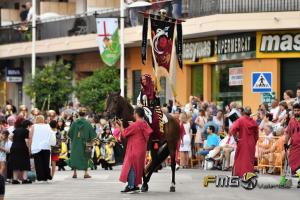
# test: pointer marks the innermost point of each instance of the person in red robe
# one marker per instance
(245, 131)
(137, 135)
(293, 133)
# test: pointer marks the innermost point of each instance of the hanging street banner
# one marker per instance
(108, 40)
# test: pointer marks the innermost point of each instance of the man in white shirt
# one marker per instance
(274, 109)
(233, 111)
(30, 11)
(189, 106)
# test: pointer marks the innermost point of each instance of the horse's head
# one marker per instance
(112, 107)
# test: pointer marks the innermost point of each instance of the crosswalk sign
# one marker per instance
(262, 82)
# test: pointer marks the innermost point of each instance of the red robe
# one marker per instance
(137, 135)
(245, 129)
(293, 130)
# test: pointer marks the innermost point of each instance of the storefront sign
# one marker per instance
(279, 44)
(236, 76)
(197, 50)
(235, 43)
(14, 75)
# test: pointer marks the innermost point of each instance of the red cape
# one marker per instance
(245, 130)
(293, 130)
(137, 135)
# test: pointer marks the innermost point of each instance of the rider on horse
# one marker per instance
(148, 99)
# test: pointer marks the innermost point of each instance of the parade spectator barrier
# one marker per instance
(269, 152)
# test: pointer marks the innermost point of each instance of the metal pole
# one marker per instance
(33, 53)
(122, 62)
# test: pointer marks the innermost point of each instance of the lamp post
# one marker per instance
(33, 46)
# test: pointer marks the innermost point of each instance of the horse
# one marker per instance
(117, 107)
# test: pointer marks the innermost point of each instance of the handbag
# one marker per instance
(88, 146)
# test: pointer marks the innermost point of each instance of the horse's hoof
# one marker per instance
(172, 189)
(144, 188)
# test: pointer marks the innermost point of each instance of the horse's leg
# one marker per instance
(162, 155)
(173, 166)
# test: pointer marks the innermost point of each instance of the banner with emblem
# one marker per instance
(166, 43)
(108, 40)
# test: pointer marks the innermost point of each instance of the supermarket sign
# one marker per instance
(281, 44)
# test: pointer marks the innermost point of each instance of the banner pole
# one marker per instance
(122, 61)
(33, 46)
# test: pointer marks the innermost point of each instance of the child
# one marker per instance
(63, 156)
(3, 140)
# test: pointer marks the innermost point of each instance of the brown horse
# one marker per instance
(118, 108)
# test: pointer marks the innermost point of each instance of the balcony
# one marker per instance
(54, 28)
(211, 7)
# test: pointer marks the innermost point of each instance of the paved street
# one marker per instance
(105, 185)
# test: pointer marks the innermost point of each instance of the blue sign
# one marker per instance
(262, 82)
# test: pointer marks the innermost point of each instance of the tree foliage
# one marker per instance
(52, 86)
(92, 91)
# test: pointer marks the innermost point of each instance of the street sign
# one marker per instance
(267, 98)
(261, 82)
(14, 75)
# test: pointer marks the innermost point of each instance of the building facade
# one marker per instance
(224, 44)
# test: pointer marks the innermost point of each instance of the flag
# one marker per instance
(108, 40)
(162, 42)
(166, 43)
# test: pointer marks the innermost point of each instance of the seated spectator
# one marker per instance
(274, 153)
(267, 119)
(225, 149)
(264, 144)
(218, 119)
(204, 129)
(211, 142)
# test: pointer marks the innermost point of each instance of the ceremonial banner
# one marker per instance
(162, 39)
(108, 40)
(166, 42)
(179, 44)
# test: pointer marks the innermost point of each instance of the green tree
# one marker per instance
(51, 86)
(92, 91)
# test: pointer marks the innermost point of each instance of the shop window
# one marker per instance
(136, 85)
(197, 81)
(224, 91)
